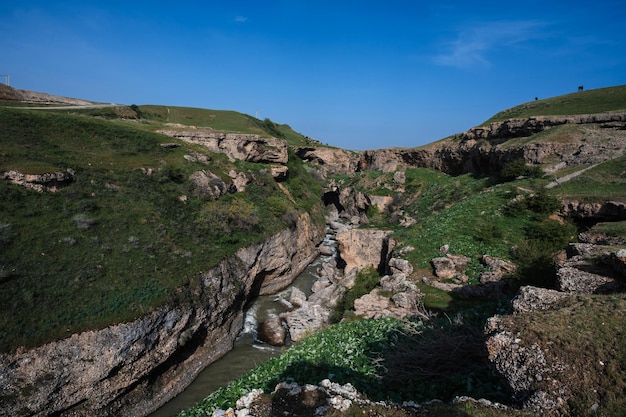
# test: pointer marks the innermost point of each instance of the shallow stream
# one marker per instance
(247, 353)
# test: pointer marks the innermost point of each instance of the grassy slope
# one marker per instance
(152, 117)
(586, 102)
(116, 242)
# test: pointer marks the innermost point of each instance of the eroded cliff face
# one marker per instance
(133, 368)
(487, 149)
(237, 146)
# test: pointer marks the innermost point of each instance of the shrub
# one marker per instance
(535, 265)
(543, 203)
(366, 280)
(519, 168)
(224, 218)
(551, 233)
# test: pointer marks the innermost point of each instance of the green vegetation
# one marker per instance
(384, 359)
(518, 168)
(153, 117)
(605, 182)
(366, 280)
(118, 240)
(586, 102)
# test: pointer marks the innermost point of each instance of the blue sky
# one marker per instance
(354, 74)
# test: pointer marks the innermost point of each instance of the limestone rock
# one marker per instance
(521, 365)
(50, 181)
(305, 320)
(297, 298)
(329, 161)
(396, 297)
(498, 268)
(577, 281)
(534, 298)
(271, 331)
(237, 146)
(397, 265)
(205, 184)
(607, 210)
(360, 248)
(240, 181)
(350, 203)
(279, 172)
(449, 266)
(484, 149)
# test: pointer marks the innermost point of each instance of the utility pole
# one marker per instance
(7, 79)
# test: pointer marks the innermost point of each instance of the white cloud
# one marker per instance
(472, 46)
(241, 19)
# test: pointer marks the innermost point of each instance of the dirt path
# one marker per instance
(568, 177)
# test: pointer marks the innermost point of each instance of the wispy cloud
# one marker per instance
(241, 19)
(473, 46)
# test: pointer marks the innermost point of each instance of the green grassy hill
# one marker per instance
(152, 117)
(586, 102)
(117, 242)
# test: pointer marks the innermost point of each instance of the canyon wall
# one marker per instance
(486, 149)
(133, 368)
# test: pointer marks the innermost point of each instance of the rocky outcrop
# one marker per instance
(531, 298)
(10, 93)
(450, 266)
(132, 368)
(524, 127)
(237, 146)
(607, 210)
(350, 203)
(50, 181)
(523, 365)
(396, 297)
(329, 161)
(360, 248)
(486, 149)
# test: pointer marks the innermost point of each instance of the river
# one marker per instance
(247, 353)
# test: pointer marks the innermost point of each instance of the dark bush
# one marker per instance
(535, 265)
(543, 203)
(519, 168)
(552, 233)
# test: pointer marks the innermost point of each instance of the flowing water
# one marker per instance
(247, 353)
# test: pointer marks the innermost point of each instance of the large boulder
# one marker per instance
(531, 298)
(205, 184)
(271, 331)
(396, 297)
(450, 266)
(497, 269)
(361, 248)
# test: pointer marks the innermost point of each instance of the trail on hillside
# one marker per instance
(565, 178)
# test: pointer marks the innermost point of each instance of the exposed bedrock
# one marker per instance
(487, 149)
(133, 368)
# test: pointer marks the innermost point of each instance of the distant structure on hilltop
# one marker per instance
(7, 79)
